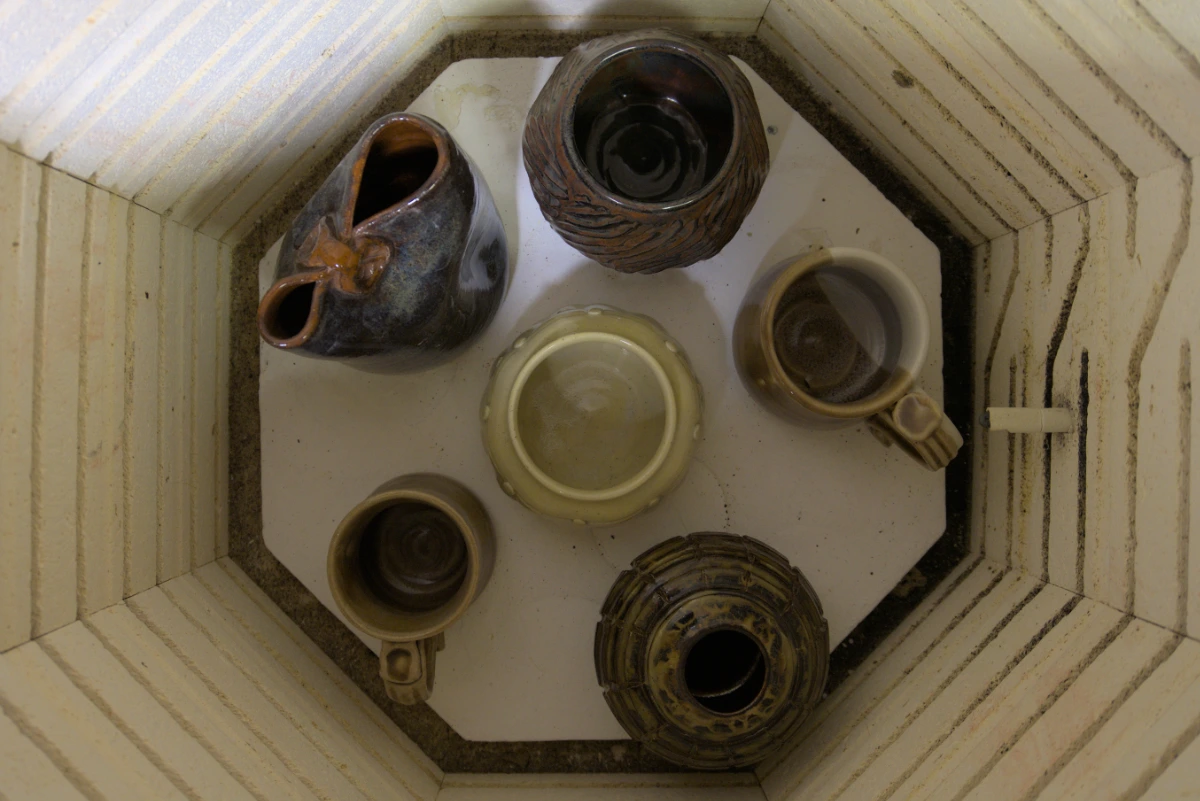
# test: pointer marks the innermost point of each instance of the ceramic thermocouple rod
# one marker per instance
(1027, 421)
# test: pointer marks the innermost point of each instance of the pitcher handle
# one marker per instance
(407, 668)
(918, 426)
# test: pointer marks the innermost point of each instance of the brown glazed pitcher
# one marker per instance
(398, 261)
(405, 564)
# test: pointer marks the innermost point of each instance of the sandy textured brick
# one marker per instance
(912, 51)
(1115, 759)
(141, 394)
(886, 747)
(1168, 488)
(139, 716)
(18, 225)
(1009, 85)
(1024, 28)
(1181, 780)
(406, 40)
(390, 31)
(48, 707)
(28, 772)
(175, 402)
(833, 751)
(221, 521)
(872, 680)
(1034, 760)
(287, 57)
(203, 486)
(875, 65)
(821, 49)
(997, 722)
(196, 705)
(56, 405)
(330, 733)
(102, 398)
(293, 739)
(374, 733)
(998, 301)
(1138, 58)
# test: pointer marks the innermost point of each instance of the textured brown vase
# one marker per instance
(712, 650)
(397, 262)
(645, 150)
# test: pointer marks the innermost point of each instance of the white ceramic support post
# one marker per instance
(1028, 421)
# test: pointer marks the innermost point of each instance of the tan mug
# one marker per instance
(838, 336)
(406, 563)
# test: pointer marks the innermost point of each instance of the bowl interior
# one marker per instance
(592, 414)
(653, 125)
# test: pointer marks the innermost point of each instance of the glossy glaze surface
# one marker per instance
(645, 150)
(399, 259)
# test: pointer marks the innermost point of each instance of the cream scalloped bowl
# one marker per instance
(591, 415)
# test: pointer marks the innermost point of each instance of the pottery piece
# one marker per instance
(591, 415)
(406, 563)
(838, 336)
(712, 650)
(645, 150)
(397, 262)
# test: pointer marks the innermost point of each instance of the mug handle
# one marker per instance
(407, 668)
(918, 426)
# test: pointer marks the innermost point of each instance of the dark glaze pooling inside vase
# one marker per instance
(292, 312)
(725, 671)
(412, 556)
(591, 415)
(837, 335)
(400, 160)
(653, 126)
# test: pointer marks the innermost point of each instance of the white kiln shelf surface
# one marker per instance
(851, 515)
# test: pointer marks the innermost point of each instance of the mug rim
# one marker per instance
(647, 471)
(844, 257)
(661, 44)
(349, 533)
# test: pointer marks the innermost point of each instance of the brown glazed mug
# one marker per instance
(405, 564)
(838, 336)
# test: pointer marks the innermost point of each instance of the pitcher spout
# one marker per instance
(290, 310)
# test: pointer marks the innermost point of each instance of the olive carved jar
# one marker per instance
(712, 650)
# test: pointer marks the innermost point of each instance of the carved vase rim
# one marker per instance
(667, 42)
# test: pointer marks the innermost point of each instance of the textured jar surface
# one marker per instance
(712, 650)
(591, 415)
(645, 150)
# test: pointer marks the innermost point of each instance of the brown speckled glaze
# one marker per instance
(712, 650)
(701, 113)
(399, 259)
